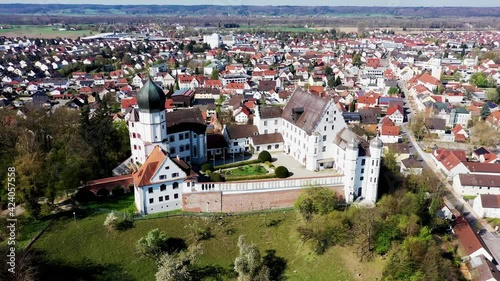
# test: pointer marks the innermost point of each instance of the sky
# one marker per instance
(389, 3)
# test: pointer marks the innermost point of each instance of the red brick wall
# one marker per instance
(243, 202)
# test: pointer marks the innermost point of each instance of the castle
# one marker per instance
(309, 128)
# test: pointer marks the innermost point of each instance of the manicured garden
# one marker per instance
(86, 248)
(246, 171)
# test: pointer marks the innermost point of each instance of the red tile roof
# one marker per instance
(143, 176)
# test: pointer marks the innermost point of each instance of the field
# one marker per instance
(277, 28)
(34, 31)
(85, 246)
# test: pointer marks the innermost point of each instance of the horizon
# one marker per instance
(222, 3)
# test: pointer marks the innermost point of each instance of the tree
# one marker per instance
(417, 126)
(315, 200)
(392, 91)
(479, 79)
(215, 74)
(178, 266)
(248, 264)
(485, 111)
(281, 172)
(493, 95)
(328, 71)
(265, 156)
(153, 245)
(324, 231)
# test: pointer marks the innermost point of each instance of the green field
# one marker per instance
(86, 247)
(42, 31)
(277, 28)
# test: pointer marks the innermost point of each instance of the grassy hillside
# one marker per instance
(86, 248)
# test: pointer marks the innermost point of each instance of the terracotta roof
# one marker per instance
(490, 201)
(393, 109)
(389, 130)
(267, 138)
(427, 78)
(129, 102)
(468, 238)
(143, 176)
(451, 161)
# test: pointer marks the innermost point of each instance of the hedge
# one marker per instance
(237, 164)
(252, 177)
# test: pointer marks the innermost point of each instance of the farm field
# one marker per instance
(40, 31)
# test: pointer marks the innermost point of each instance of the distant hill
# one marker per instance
(213, 10)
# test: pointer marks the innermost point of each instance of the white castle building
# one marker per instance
(312, 128)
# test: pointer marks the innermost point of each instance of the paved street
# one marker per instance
(491, 238)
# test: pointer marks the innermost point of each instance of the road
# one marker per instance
(491, 239)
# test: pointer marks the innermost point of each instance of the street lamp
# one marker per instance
(74, 216)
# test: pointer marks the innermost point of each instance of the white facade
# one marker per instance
(474, 190)
(214, 40)
(145, 133)
(485, 212)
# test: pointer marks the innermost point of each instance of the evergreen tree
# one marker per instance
(485, 111)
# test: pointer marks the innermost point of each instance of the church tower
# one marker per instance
(148, 124)
(350, 165)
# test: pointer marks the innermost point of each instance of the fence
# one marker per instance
(269, 184)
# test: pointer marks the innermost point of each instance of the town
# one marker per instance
(239, 122)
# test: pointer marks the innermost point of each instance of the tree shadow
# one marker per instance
(175, 245)
(277, 265)
(213, 272)
(59, 270)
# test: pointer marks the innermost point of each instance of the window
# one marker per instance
(133, 135)
(265, 131)
(175, 175)
(167, 167)
(186, 135)
(139, 135)
(172, 150)
(176, 196)
(181, 137)
(275, 130)
(171, 138)
(276, 146)
(324, 148)
(269, 147)
(175, 185)
(235, 143)
(132, 124)
(361, 178)
(275, 122)
(362, 170)
(326, 121)
(324, 138)
(188, 158)
(258, 148)
(315, 150)
(187, 147)
(333, 127)
(151, 200)
(163, 187)
(363, 162)
(167, 197)
(181, 148)
(150, 190)
(160, 199)
(162, 177)
(135, 146)
(324, 128)
(265, 123)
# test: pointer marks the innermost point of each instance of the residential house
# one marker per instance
(476, 184)
(487, 205)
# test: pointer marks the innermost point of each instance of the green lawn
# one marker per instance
(85, 247)
(248, 170)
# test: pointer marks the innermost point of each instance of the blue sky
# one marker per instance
(390, 3)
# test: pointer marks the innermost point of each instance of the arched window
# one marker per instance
(133, 135)
(175, 185)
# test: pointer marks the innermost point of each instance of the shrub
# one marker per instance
(281, 172)
(118, 191)
(111, 221)
(237, 164)
(84, 195)
(251, 177)
(216, 177)
(265, 156)
(206, 167)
